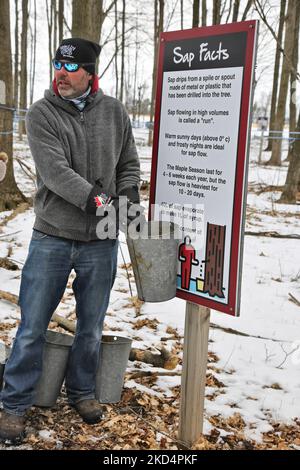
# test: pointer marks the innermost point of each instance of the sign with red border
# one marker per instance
(200, 155)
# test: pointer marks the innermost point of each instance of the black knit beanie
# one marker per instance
(80, 51)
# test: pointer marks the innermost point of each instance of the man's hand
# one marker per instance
(123, 211)
(128, 214)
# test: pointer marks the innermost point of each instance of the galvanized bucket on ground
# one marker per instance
(154, 260)
(114, 355)
(55, 358)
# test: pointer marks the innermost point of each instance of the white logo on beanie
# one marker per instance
(67, 50)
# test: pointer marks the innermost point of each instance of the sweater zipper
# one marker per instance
(82, 120)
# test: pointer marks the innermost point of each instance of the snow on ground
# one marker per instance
(258, 365)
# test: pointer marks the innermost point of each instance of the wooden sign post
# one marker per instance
(199, 180)
(193, 376)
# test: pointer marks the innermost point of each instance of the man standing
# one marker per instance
(85, 156)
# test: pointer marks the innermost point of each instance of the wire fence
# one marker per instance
(18, 116)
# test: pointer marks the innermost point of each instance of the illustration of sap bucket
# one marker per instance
(55, 359)
(4, 354)
(113, 359)
(154, 260)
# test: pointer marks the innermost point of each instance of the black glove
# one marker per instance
(98, 198)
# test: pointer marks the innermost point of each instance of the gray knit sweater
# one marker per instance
(72, 150)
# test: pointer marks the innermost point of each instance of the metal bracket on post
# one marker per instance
(193, 379)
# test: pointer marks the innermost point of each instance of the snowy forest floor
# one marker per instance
(253, 376)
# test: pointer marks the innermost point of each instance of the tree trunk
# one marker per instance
(284, 81)
(55, 21)
(196, 6)
(16, 63)
(134, 103)
(33, 54)
(293, 81)
(23, 75)
(10, 195)
(247, 8)
(123, 53)
(235, 13)
(158, 28)
(291, 188)
(87, 24)
(276, 72)
(181, 14)
(214, 260)
(50, 55)
(204, 13)
(216, 12)
(116, 49)
(60, 20)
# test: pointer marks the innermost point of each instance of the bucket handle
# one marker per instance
(135, 270)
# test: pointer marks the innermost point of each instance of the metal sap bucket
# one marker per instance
(154, 260)
(113, 359)
(55, 359)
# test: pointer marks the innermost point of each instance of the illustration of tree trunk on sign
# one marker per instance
(214, 260)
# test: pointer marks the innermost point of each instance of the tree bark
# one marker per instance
(204, 13)
(247, 8)
(86, 21)
(214, 260)
(291, 188)
(196, 6)
(284, 81)
(16, 63)
(60, 20)
(216, 17)
(276, 72)
(134, 103)
(10, 195)
(181, 14)
(293, 81)
(235, 13)
(23, 74)
(50, 24)
(158, 28)
(33, 54)
(55, 24)
(123, 53)
(116, 49)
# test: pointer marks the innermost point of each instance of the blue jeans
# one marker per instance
(44, 279)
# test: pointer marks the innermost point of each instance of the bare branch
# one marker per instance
(259, 8)
(286, 355)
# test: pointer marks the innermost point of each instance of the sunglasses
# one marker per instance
(69, 66)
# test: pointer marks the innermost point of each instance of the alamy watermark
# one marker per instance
(170, 221)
